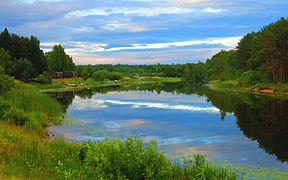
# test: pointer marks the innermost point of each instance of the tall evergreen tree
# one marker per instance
(5, 40)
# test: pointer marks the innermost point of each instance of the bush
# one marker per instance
(252, 77)
(115, 76)
(16, 116)
(25, 77)
(105, 75)
(23, 70)
(100, 75)
(124, 159)
(44, 79)
(4, 106)
(6, 83)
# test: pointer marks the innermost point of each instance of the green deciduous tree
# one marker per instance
(5, 61)
(58, 60)
(23, 70)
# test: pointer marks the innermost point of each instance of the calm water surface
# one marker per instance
(241, 128)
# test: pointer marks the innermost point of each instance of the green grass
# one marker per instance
(25, 155)
(24, 105)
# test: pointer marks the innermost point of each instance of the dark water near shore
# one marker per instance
(241, 128)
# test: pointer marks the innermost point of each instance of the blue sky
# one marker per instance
(139, 31)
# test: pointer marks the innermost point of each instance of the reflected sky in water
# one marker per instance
(180, 123)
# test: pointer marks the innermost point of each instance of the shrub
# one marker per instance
(15, 116)
(44, 79)
(4, 106)
(100, 75)
(252, 77)
(6, 83)
(105, 75)
(25, 77)
(115, 76)
(23, 70)
(124, 159)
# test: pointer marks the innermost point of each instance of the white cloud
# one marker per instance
(83, 29)
(91, 47)
(124, 26)
(227, 41)
(148, 12)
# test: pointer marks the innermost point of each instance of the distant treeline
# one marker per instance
(23, 58)
(259, 57)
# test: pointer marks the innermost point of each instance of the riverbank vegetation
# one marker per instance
(26, 155)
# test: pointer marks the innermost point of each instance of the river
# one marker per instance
(184, 118)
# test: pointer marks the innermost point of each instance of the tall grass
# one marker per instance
(26, 106)
(27, 156)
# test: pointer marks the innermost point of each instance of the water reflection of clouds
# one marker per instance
(82, 104)
(116, 126)
(147, 95)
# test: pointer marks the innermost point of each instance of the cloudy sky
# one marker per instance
(139, 31)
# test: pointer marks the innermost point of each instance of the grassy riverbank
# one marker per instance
(26, 155)
(277, 89)
(79, 83)
(26, 152)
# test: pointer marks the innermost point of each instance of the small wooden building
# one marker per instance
(59, 75)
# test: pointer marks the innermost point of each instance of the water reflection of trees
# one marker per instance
(260, 118)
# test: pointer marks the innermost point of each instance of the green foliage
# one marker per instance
(31, 101)
(100, 75)
(22, 47)
(114, 76)
(25, 77)
(197, 167)
(124, 159)
(105, 75)
(6, 83)
(220, 66)
(194, 72)
(44, 79)
(113, 158)
(23, 70)
(58, 60)
(16, 116)
(252, 77)
(85, 74)
(4, 107)
(5, 61)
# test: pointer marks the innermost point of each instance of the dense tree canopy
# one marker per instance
(58, 60)
(22, 47)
